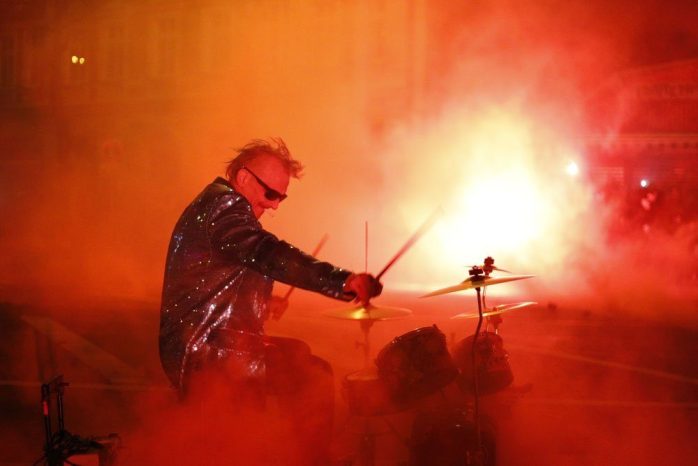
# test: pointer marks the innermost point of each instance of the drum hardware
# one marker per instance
(368, 399)
(409, 368)
(364, 390)
(367, 313)
(494, 371)
(446, 437)
(367, 394)
(476, 388)
(370, 313)
(496, 310)
(492, 364)
(416, 365)
(366, 316)
(366, 345)
(367, 445)
(488, 266)
(479, 278)
(476, 282)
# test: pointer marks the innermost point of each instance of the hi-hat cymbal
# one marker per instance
(476, 282)
(369, 312)
(502, 308)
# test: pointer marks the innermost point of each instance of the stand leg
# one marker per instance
(366, 329)
(367, 447)
(476, 393)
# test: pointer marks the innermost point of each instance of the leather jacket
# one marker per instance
(220, 269)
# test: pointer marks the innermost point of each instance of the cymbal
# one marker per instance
(496, 310)
(369, 312)
(476, 282)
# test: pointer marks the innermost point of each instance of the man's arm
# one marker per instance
(237, 236)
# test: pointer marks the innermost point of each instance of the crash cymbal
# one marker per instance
(476, 282)
(502, 308)
(369, 312)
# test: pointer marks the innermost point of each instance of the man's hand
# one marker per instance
(277, 306)
(363, 286)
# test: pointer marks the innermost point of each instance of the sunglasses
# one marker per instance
(270, 193)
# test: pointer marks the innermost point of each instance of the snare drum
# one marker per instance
(416, 364)
(367, 395)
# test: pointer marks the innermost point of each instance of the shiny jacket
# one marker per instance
(220, 269)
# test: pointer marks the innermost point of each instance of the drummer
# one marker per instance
(221, 266)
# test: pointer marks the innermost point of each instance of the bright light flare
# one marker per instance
(499, 184)
(501, 212)
(644, 183)
(572, 169)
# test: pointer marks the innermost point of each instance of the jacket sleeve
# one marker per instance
(237, 236)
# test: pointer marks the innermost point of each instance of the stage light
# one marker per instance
(82, 60)
(74, 59)
(572, 169)
(644, 183)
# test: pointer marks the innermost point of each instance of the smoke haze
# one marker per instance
(396, 109)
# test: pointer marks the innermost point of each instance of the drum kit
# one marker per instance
(418, 365)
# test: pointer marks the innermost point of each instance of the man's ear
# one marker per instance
(241, 177)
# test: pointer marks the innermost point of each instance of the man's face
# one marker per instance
(251, 180)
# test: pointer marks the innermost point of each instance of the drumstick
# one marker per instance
(413, 239)
(319, 246)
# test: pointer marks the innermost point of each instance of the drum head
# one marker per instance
(367, 395)
(416, 364)
(493, 370)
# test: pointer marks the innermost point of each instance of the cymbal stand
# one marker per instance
(366, 345)
(476, 393)
(367, 442)
(477, 274)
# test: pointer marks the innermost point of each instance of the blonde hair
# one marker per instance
(276, 147)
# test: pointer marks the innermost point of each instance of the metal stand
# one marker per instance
(61, 445)
(476, 394)
(367, 445)
(366, 345)
(53, 455)
(478, 273)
